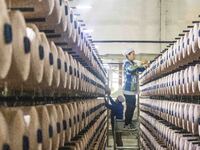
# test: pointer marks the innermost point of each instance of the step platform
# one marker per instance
(119, 126)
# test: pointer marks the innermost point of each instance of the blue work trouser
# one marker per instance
(130, 107)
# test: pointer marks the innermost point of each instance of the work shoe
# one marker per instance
(127, 127)
(133, 125)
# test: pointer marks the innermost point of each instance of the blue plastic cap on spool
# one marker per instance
(83, 115)
(25, 143)
(27, 45)
(59, 63)
(70, 70)
(39, 136)
(66, 10)
(64, 125)
(75, 24)
(78, 74)
(6, 147)
(50, 58)
(188, 41)
(41, 52)
(75, 72)
(70, 122)
(74, 120)
(78, 118)
(8, 33)
(198, 120)
(79, 30)
(58, 127)
(50, 131)
(71, 18)
(60, 2)
(65, 65)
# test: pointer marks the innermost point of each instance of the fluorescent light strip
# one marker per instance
(83, 7)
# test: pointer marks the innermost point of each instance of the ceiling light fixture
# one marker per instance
(88, 30)
(83, 7)
(96, 46)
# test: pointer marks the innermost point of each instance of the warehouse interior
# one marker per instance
(99, 75)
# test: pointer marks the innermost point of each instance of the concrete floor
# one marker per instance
(129, 139)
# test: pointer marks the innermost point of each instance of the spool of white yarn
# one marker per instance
(196, 76)
(185, 45)
(190, 78)
(195, 47)
(48, 63)
(186, 115)
(37, 58)
(185, 81)
(63, 79)
(191, 117)
(188, 141)
(177, 82)
(173, 83)
(56, 71)
(174, 113)
(183, 139)
(6, 41)
(177, 105)
(181, 86)
(196, 120)
(178, 49)
(199, 36)
(193, 145)
(20, 66)
(189, 43)
(180, 56)
(175, 53)
(181, 114)
(69, 73)
(171, 112)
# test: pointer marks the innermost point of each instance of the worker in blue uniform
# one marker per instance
(117, 109)
(132, 68)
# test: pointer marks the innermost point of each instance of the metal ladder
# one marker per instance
(132, 133)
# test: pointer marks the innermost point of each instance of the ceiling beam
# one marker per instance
(131, 41)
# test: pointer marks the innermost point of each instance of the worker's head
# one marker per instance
(120, 98)
(130, 54)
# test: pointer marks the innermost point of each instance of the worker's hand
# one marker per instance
(143, 62)
(146, 65)
(106, 99)
(107, 91)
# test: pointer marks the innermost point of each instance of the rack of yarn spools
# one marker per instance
(170, 96)
(45, 49)
(73, 125)
(50, 79)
